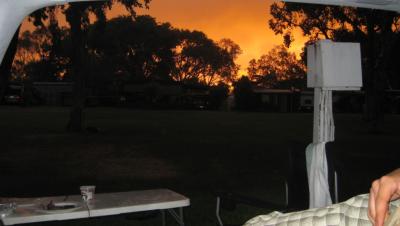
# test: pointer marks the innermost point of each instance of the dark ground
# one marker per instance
(191, 152)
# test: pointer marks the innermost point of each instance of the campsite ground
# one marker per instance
(191, 152)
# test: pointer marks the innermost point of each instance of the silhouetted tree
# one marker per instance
(134, 49)
(199, 57)
(38, 58)
(77, 15)
(5, 68)
(231, 51)
(279, 68)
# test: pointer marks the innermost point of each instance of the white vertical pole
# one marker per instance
(323, 131)
(317, 115)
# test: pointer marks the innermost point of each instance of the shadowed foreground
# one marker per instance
(191, 152)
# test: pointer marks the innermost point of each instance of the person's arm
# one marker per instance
(383, 190)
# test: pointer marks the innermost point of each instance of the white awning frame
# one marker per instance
(13, 12)
(390, 5)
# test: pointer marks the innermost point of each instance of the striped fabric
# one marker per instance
(353, 212)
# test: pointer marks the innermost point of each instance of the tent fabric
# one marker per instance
(317, 171)
(317, 165)
(390, 5)
(353, 212)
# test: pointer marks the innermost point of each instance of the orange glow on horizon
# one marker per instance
(245, 22)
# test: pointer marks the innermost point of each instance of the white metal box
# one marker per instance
(334, 65)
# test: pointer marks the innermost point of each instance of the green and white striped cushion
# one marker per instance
(353, 212)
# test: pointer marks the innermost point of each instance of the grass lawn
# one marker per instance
(191, 152)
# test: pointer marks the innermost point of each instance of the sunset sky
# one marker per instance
(243, 21)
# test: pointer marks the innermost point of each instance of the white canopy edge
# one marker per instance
(390, 5)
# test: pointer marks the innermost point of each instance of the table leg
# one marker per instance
(177, 216)
(163, 218)
(182, 223)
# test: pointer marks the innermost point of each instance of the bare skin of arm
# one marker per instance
(383, 190)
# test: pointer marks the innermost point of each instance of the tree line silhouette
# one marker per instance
(128, 49)
(138, 48)
(124, 49)
(78, 18)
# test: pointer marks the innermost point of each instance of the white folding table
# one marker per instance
(104, 204)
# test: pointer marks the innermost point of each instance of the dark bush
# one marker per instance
(244, 95)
